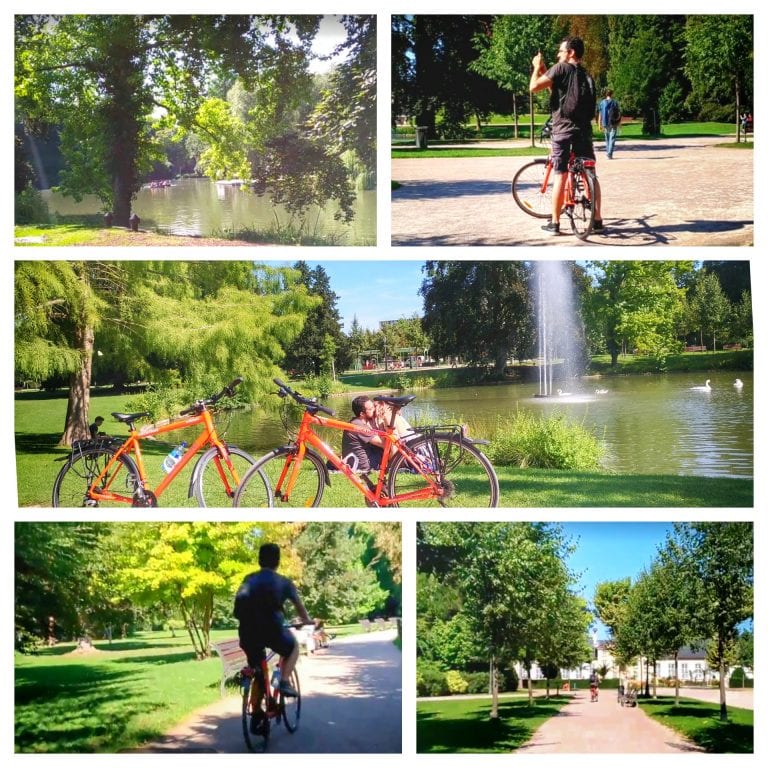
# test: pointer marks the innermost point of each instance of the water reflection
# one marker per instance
(201, 207)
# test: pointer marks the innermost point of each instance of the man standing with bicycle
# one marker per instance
(259, 609)
(572, 104)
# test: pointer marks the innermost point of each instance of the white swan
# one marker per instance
(601, 391)
(738, 383)
(705, 388)
(563, 394)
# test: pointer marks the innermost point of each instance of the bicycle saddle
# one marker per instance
(127, 418)
(395, 402)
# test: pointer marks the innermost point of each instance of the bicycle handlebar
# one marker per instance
(227, 391)
(308, 402)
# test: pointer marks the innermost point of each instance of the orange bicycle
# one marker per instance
(436, 465)
(532, 191)
(111, 471)
(264, 702)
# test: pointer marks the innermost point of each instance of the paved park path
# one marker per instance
(672, 191)
(583, 726)
(351, 702)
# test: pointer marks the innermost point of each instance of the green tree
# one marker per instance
(321, 347)
(186, 566)
(511, 578)
(432, 80)
(729, 41)
(719, 559)
(506, 51)
(711, 308)
(336, 585)
(480, 310)
(53, 563)
(637, 305)
(168, 322)
(645, 53)
(101, 77)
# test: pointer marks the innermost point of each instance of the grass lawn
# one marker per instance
(117, 697)
(700, 722)
(463, 725)
(38, 461)
(501, 131)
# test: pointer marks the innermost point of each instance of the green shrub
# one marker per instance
(31, 208)
(477, 682)
(553, 442)
(430, 679)
(739, 679)
(456, 682)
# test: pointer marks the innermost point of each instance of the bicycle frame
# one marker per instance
(132, 445)
(306, 437)
(568, 200)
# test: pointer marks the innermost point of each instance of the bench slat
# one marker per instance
(232, 657)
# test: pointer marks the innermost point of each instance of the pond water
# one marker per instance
(649, 424)
(203, 207)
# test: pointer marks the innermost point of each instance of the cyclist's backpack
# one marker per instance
(577, 102)
(614, 114)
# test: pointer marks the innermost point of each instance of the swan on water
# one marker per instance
(738, 383)
(705, 388)
(601, 391)
(563, 394)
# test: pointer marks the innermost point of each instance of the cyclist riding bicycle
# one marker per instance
(593, 685)
(259, 609)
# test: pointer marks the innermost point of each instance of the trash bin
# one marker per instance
(421, 136)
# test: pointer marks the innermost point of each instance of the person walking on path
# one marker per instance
(572, 103)
(609, 119)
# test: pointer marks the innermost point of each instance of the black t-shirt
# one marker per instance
(259, 603)
(560, 75)
(359, 445)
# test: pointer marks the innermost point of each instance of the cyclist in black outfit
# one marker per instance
(259, 609)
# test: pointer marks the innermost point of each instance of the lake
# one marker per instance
(204, 208)
(649, 424)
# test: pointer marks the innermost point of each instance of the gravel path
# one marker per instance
(667, 192)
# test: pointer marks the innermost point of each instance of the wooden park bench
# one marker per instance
(696, 348)
(233, 659)
(732, 346)
(381, 624)
(366, 625)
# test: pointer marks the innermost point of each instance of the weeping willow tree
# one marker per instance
(167, 322)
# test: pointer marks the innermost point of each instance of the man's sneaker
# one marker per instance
(287, 689)
(598, 226)
(551, 228)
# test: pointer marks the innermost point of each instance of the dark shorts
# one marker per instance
(282, 643)
(562, 146)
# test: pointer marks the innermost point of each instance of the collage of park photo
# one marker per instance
(396, 493)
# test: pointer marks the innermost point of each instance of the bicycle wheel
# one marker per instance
(290, 706)
(582, 214)
(70, 489)
(259, 486)
(213, 484)
(530, 191)
(255, 723)
(463, 472)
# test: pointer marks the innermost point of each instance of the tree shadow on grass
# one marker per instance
(703, 726)
(475, 731)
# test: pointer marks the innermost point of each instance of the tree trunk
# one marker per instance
(76, 422)
(677, 683)
(722, 669)
(494, 690)
(517, 117)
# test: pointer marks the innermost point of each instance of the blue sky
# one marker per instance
(611, 551)
(373, 290)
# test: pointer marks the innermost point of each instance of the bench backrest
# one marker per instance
(233, 659)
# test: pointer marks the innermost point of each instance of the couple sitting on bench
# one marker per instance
(363, 452)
